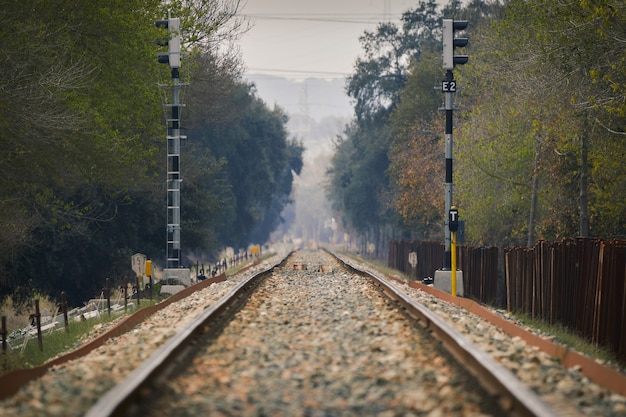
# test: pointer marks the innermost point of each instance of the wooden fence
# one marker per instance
(579, 283)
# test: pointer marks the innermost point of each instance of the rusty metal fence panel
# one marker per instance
(479, 265)
(580, 283)
(480, 272)
(612, 331)
(429, 257)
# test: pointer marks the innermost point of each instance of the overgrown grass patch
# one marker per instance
(27, 353)
(569, 338)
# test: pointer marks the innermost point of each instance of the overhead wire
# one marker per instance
(341, 74)
(330, 18)
(350, 18)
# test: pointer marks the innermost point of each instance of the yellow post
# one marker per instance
(453, 263)
(149, 275)
(148, 268)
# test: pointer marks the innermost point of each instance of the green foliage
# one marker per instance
(258, 159)
(538, 145)
(82, 129)
(416, 152)
(78, 137)
(535, 102)
(356, 176)
(382, 73)
(359, 186)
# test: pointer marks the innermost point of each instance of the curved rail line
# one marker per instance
(513, 396)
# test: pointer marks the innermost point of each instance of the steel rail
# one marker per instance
(136, 385)
(514, 397)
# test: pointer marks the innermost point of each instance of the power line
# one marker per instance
(328, 18)
(288, 71)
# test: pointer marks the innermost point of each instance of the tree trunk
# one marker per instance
(584, 172)
(533, 198)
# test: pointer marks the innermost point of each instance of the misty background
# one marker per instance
(318, 111)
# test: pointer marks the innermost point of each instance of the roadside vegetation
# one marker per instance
(25, 352)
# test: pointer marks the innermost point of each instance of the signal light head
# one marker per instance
(173, 42)
(450, 42)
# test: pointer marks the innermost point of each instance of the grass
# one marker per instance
(569, 338)
(55, 342)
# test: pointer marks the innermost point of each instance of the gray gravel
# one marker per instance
(312, 343)
(567, 390)
(68, 390)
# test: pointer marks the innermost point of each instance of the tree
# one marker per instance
(73, 146)
(382, 73)
(356, 184)
(258, 163)
(534, 76)
(82, 131)
(361, 189)
(417, 152)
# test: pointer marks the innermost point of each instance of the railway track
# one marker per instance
(311, 337)
(316, 339)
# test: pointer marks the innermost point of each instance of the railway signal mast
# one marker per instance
(173, 58)
(449, 87)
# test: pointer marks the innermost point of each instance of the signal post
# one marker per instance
(173, 270)
(444, 277)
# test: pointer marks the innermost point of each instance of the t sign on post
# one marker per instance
(453, 224)
(453, 219)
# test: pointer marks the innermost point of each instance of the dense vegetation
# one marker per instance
(83, 138)
(539, 139)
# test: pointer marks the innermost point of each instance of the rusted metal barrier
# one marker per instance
(428, 256)
(580, 283)
(480, 272)
(479, 265)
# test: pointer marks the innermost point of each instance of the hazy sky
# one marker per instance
(311, 38)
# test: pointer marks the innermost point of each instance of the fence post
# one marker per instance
(64, 310)
(3, 333)
(125, 292)
(36, 318)
(107, 293)
(138, 289)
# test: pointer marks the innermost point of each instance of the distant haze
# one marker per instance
(313, 97)
(318, 111)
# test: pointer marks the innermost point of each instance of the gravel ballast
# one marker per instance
(329, 317)
(314, 343)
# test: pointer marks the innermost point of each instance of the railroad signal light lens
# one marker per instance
(450, 42)
(173, 42)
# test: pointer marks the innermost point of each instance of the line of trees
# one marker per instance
(539, 139)
(82, 184)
